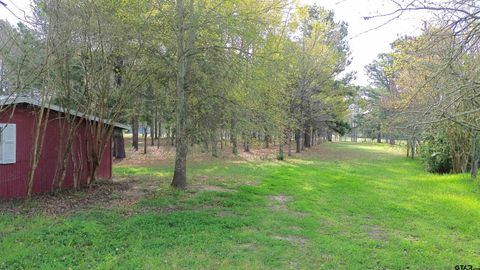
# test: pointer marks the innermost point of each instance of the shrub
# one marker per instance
(435, 152)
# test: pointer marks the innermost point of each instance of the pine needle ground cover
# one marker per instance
(340, 206)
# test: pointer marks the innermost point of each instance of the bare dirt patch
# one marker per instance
(119, 193)
(164, 155)
(282, 199)
(279, 202)
(116, 193)
(226, 214)
(412, 238)
(292, 239)
(376, 232)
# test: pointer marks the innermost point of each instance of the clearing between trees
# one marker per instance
(337, 206)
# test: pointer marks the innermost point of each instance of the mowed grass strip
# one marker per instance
(342, 206)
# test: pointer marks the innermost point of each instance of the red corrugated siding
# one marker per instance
(13, 177)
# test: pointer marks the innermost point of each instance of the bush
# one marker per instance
(435, 152)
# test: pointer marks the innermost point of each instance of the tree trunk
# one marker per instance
(379, 134)
(205, 145)
(307, 138)
(302, 139)
(214, 144)
(408, 148)
(76, 171)
(312, 137)
(474, 171)
(62, 170)
(183, 74)
(41, 121)
(135, 132)
(289, 144)
(221, 141)
(159, 130)
(233, 135)
(152, 132)
(281, 154)
(100, 135)
(156, 123)
(267, 141)
(298, 141)
(246, 145)
(475, 155)
(329, 136)
(145, 140)
(283, 141)
(118, 144)
(412, 145)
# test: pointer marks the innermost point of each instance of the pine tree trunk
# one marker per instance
(135, 132)
(156, 123)
(379, 134)
(246, 144)
(329, 136)
(302, 139)
(312, 137)
(281, 154)
(307, 138)
(233, 135)
(412, 145)
(118, 144)
(289, 144)
(145, 140)
(159, 132)
(152, 132)
(298, 141)
(408, 148)
(221, 141)
(283, 141)
(214, 144)
(180, 173)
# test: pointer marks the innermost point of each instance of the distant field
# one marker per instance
(338, 206)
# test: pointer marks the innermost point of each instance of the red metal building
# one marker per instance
(17, 123)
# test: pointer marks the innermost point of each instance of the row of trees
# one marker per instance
(204, 70)
(428, 87)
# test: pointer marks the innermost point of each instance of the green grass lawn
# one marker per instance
(345, 206)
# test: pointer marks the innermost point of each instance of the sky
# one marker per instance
(365, 41)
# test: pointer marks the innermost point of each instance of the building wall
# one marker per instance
(13, 177)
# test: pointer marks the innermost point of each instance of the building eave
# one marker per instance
(30, 101)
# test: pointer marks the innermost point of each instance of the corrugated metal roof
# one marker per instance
(11, 100)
